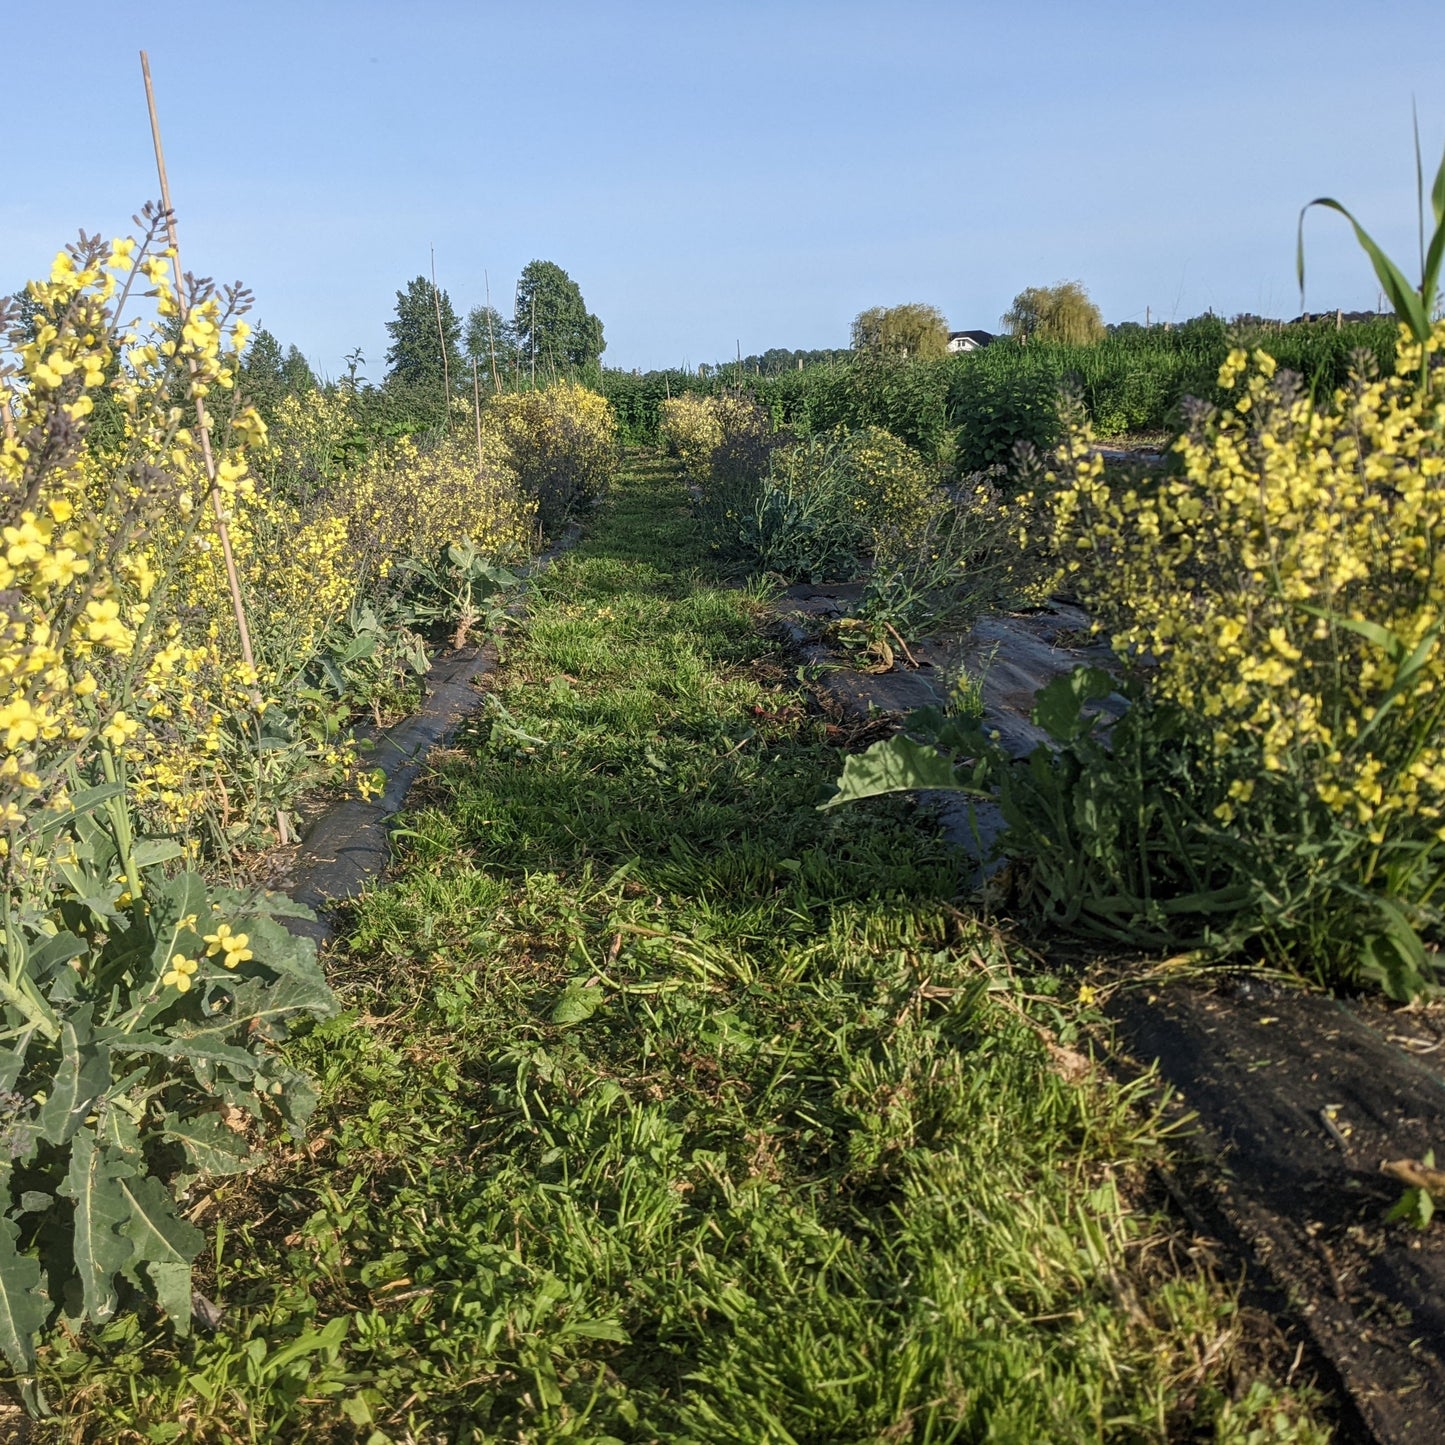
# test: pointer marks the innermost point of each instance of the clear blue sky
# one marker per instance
(745, 172)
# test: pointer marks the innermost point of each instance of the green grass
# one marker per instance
(670, 1109)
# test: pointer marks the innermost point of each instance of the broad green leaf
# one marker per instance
(23, 1306)
(207, 1043)
(163, 1242)
(1059, 707)
(576, 1004)
(151, 852)
(82, 1077)
(82, 804)
(211, 1148)
(100, 1210)
(116, 1128)
(48, 954)
(265, 1008)
(896, 765)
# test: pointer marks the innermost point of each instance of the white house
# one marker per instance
(968, 340)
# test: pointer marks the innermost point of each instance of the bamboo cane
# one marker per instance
(203, 426)
(436, 297)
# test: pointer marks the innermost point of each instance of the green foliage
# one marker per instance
(1415, 306)
(1113, 830)
(553, 328)
(489, 344)
(1061, 313)
(414, 357)
(960, 557)
(1416, 1205)
(827, 506)
(671, 1109)
(998, 411)
(983, 401)
(157, 1006)
(268, 375)
(461, 589)
(911, 332)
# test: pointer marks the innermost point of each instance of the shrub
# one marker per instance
(562, 442)
(962, 556)
(805, 518)
(691, 430)
(998, 411)
(833, 506)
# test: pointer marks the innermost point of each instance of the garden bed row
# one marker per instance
(1288, 1101)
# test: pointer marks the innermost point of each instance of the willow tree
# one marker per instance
(1061, 313)
(913, 331)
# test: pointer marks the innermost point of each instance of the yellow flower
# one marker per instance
(180, 973)
(232, 945)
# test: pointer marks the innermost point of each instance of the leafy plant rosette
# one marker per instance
(153, 1063)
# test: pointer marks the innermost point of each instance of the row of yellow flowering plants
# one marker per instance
(1283, 597)
(152, 533)
(1275, 788)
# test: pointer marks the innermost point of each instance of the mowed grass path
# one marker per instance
(669, 1108)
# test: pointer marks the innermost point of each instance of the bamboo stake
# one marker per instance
(436, 297)
(203, 426)
(491, 335)
(477, 412)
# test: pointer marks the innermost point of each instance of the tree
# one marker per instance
(1060, 313)
(415, 353)
(552, 324)
(268, 375)
(488, 334)
(913, 332)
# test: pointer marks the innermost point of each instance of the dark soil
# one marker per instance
(1297, 1100)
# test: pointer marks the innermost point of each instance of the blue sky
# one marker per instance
(751, 173)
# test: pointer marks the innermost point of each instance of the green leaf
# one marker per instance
(23, 1307)
(206, 1043)
(1388, 642)
(82, 804)
(1059, 707)
(1395, 958)
(1409, 305)
(576, 1004)
(265, 1008)
(163, 1242)
(211, 1148)
(48, 954)
(151, 852)
(100, 1210)
(83, 1076)
(896, 765)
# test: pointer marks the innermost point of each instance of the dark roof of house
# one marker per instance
(981, 337)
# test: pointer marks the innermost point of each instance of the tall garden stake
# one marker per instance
(436, 297)
(203, 425)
